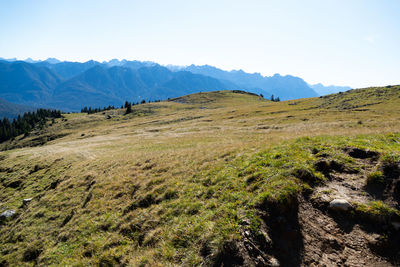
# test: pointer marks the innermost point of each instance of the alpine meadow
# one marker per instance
(193, 161)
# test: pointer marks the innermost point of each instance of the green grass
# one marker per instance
(158, 186)
(377, 211)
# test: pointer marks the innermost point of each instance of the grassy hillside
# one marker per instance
(219, 178)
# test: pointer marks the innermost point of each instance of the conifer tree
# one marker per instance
(128, 108)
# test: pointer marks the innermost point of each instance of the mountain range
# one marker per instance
(69, 86)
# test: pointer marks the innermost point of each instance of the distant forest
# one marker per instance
(26, 123)
(128, 105)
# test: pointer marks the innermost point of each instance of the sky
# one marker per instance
(341, 42)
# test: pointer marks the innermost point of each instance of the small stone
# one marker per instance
(340, 204)
(273, 262)
(7, 214)
(26, 201)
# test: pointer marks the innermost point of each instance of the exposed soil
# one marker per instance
(307, 233)
(309, 236)
(335, 240)
(353, 185)
(349, 186)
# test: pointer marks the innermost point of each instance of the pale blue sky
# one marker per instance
(342, 42)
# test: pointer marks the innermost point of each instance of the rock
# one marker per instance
(340, 204)
(273, 262)
(7, 214)
(26, 201)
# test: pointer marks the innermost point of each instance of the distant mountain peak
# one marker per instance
(9, 59)
(30, 60)
(330, 89)
(52, 60)
(115, 62)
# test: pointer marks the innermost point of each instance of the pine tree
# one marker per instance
(128, 108)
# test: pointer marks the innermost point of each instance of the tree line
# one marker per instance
(128, 106)
(272, 98)
(26, 123)
(275, 99)
(89, 110)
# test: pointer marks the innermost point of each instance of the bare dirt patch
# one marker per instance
(335, 240)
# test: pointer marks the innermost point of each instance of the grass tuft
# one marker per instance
(375, 177)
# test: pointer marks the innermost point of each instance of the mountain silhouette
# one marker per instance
(69, 86)
(101, 86)
(286, 87)
(26, 83)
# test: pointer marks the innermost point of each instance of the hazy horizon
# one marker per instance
(165, 65)
(332, 42)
